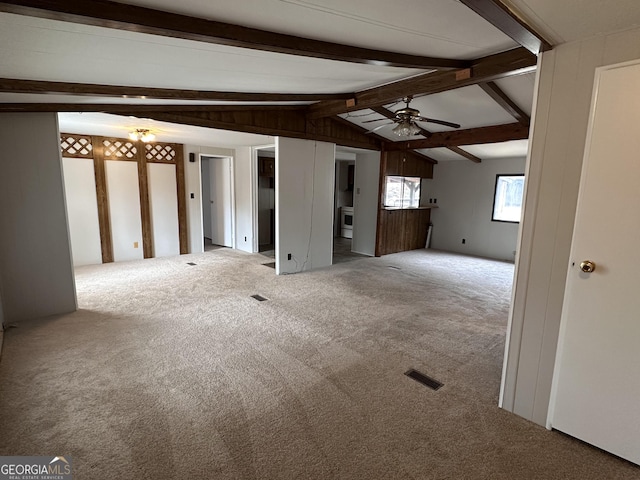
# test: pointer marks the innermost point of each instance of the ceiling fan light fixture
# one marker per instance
(406, 128)
(142, 134)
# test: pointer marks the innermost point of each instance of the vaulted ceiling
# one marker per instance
(324, 69)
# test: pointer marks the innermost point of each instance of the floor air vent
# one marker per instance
(423, 379)
(260, 298)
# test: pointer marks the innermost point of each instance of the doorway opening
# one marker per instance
(344, 214)
(266, 201)
(217, 202)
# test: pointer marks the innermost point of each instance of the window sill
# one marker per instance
(426, 207)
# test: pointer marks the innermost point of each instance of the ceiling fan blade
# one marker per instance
(439, 122)
(375, 120)
(379, 127)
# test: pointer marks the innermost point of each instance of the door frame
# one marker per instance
(254, 193)
(232, 192)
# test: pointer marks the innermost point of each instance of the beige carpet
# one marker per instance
(172, 371)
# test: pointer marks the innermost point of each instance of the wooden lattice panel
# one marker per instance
(160, 152)
(122, 149)
(76, 146)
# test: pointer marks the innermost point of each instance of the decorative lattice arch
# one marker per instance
(160, 152)
(76, 146)
(123, 149)
(81, 146)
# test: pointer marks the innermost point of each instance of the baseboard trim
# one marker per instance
(362, 253)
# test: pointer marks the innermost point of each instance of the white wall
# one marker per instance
(304, 204)
(194, 205)
(124, 210)
(465, 193)
(365, 203)
(244, 181)
(561, 114)
(36, 270)
(82, 210)
(163, 205)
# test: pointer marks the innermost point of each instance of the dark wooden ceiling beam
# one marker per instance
(465, 154)
(472, 136)
(136, 108)
(510, 23)
(105, 13)
(389, 114)
(512, 62)
(284, 123)
(502, 99)
(13, 85)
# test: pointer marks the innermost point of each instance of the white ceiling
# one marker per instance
(40, 49)
(107, 125)
(519, 89)
(442, 28)
(488, 151)
(514, 148)
(470, 107)
(568, 20)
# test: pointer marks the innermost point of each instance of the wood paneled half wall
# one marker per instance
(401, 229)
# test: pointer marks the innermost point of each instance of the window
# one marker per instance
(507, 202)
(402, 192)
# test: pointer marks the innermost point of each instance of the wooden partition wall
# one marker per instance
(401, 229)
(100, 149)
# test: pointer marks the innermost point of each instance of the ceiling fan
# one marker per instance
(406, 119)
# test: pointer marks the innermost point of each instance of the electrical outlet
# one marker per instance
(193, 195)
(245, 239)
(464, 240)
(135, 244)
(288, 256)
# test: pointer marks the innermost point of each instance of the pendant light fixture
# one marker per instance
(142, 134)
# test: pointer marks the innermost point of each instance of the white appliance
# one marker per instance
(346, 222)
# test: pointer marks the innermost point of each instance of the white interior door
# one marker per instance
(596, 381)
(221, 201)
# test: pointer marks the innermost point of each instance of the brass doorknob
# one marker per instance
(587, 266)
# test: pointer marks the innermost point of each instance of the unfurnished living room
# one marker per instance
(319, 239)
